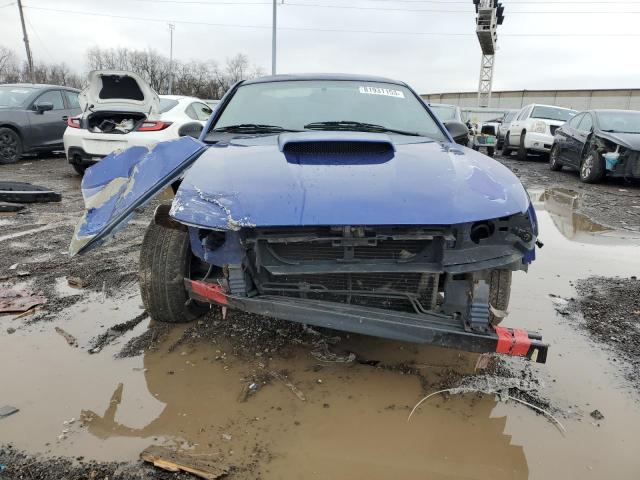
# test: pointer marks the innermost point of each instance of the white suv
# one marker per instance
(533, 129)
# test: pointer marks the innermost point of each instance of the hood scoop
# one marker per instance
(336, 148)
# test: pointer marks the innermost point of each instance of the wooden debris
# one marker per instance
(71, 340)
(173, 461)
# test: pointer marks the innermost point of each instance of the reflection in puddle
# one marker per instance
(563, 205)
(353, 421)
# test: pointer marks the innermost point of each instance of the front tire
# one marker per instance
(499, 293)
(165, 261)
(592, 167)
(506, 149)
(522, 150)
(80, 169)
(10, 146)
(554, 159)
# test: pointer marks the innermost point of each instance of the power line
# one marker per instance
(466, 12)
(329, 30)
(402, 9)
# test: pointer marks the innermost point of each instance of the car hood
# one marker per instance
(629, 140)
(119, 90)
(263, 182)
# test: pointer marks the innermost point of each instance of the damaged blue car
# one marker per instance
(332, 200)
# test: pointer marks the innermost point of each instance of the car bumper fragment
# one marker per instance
(429, 328)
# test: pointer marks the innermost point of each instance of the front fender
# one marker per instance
(126, 180)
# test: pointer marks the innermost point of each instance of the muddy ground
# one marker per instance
(262, 398)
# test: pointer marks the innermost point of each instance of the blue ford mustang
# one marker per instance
(332, 200)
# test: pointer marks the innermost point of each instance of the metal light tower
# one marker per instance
(490, 14)
(171, 28)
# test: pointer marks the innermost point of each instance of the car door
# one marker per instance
(515, 130)
(566, 138)
(582, 137)
(48, 127)
(72, 103)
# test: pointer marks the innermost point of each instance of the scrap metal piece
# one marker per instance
(20, 192)
(18, 301)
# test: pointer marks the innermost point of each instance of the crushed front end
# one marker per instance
(440, 284)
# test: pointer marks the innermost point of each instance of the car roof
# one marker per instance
(38, 86)
(611, 110)
(322, 76)
(551, 106)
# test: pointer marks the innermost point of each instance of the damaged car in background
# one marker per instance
(121, 110)
(599, 143)
(338, 201)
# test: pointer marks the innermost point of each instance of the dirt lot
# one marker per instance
(259, 398)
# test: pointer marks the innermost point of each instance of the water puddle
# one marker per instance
(352, 422)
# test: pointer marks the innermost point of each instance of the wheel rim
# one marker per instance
(8, 146)
(587, 167)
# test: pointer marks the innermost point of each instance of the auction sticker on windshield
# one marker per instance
(382, 91)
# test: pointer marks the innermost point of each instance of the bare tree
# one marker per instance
(204, 79)
(9, 69)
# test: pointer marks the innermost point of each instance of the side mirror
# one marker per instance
(459, 132)
(191, 129)
(43, 107)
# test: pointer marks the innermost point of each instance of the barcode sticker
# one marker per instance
(387, 92)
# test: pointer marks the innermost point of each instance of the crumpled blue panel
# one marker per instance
(123, 181)
(251, 182)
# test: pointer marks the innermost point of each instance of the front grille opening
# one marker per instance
(399, 250)
(410, 292)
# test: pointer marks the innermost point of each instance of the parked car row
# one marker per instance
(33, 118)
(596, 143)
(115, 111)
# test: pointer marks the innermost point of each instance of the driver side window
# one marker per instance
(524, 113)
(575, 121)
(586, 123)
(52, 96)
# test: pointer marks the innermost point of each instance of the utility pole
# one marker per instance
(273, 37)
(490, 14)
(26, 42)
(171, 27)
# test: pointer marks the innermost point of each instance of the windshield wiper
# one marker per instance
(348, 125)
(253, 128)
(619, 131)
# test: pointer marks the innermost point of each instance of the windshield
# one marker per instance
(444, 113)
(13, 96)
(619, 122)
(300, 105)
(553, 113)
(509, 116)
(167, 104)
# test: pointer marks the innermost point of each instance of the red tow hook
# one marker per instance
(513, 341)
(208, 292)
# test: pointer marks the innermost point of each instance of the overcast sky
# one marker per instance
(430, 63)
